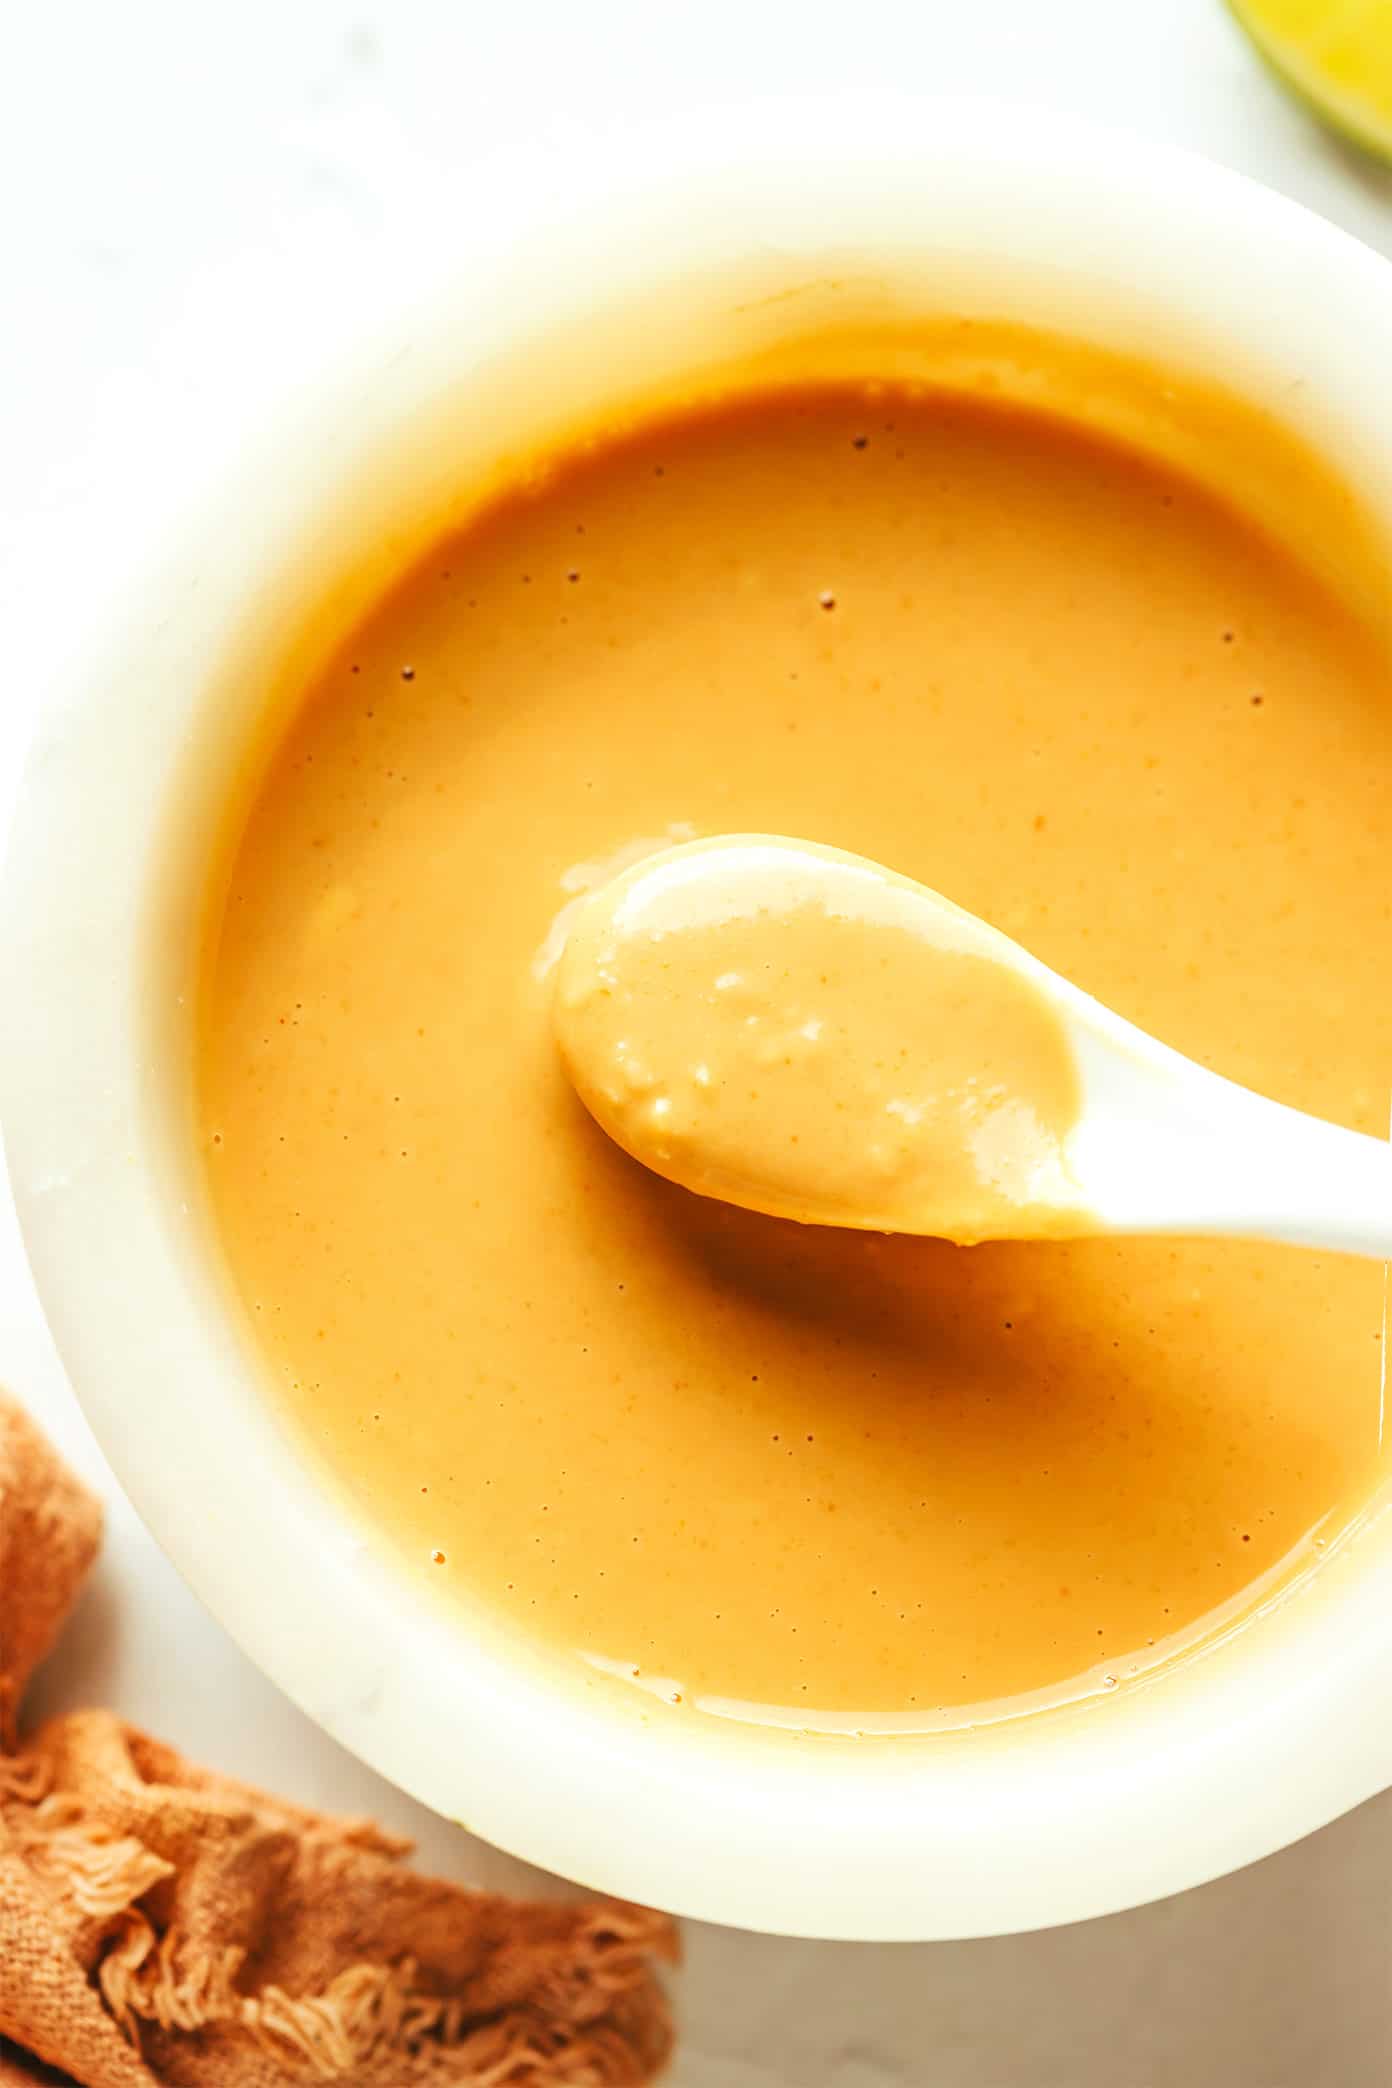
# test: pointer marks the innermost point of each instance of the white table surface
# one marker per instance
(168, 171)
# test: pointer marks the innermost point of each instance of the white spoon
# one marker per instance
(775, 1023)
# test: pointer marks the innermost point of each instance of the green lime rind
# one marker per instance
(1348, 118)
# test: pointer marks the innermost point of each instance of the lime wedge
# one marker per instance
(1336, 55)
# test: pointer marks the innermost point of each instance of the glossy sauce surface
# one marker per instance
(844, 1478)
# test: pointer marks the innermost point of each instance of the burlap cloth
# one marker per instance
(160, 1923)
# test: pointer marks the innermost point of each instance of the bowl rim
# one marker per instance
(1216, 1765)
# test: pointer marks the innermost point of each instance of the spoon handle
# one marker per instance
(1315, 1185)
(1210, 1158)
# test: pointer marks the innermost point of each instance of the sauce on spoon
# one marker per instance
(804, 1033)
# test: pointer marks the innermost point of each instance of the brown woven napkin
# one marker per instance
(160, 1923)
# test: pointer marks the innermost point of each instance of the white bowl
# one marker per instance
(746, 228)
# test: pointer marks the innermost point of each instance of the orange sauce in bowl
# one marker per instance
(812, 1475)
